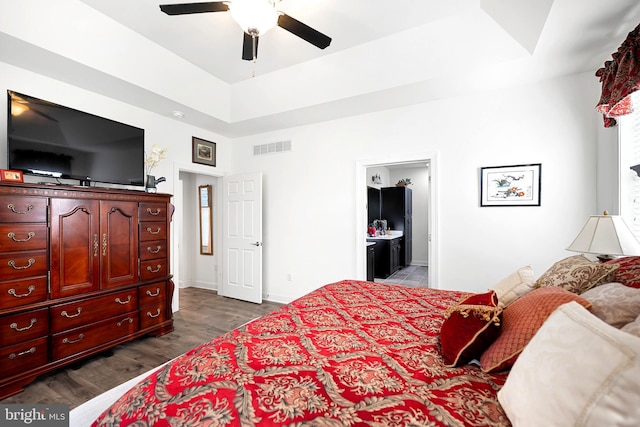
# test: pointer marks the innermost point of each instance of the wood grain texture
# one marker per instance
(203, 315)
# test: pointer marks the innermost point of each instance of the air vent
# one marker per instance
(271, 148)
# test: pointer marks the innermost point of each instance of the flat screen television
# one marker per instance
(47, 139)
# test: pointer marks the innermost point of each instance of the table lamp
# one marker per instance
(607, 236)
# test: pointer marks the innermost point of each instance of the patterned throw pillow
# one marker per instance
(520, 321)
(614, 303)
(577, 274)
(632, 328)
(469, 328)
(629, 271)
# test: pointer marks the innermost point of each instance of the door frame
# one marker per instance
(178, 200)
(433, 209)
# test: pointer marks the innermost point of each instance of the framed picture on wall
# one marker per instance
(203, 152)
(517, 185)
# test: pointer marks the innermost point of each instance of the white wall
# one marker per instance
(310, 209)
(310, 195)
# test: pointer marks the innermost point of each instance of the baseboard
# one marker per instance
(198, 284)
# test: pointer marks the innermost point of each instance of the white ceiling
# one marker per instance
(383, 54)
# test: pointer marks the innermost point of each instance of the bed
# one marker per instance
(355, 353)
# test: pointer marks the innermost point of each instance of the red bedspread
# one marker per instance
(348, 354)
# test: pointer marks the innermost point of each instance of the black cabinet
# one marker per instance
(396, 205)
(371, 262)
(373, 204)
(387, 256)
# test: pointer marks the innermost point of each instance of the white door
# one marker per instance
(242, 237)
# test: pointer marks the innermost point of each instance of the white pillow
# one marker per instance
(514, 286)
(576, 371)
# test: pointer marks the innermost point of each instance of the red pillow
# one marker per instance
(469, 328)
(520, 321)
(629, 271)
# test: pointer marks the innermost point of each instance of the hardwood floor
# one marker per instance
(203, 315)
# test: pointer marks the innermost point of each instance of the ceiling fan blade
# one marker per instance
(303, 31)
(188, 8)
(247, 47)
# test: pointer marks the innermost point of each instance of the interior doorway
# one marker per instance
(188, 266)
(425, 239)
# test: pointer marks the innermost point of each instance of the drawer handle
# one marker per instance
(96, 245)
(12, 208)
(69, 316)
(156, 213)
(158, 248)
(13, 292)
(151, 294)
(30, 262)
(12, 236)
(154, 315)
(31, 350)
(15, 326)
(119, 301)
(104, 245)
(128, 319)
(158, 267)
(153, 232)
(68, 341)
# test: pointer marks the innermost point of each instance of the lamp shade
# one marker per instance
(606, 235)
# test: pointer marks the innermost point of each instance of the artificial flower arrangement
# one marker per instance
(152, 159)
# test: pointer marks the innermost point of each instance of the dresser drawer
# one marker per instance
(24, 326)
(23, 209)
(153, 231)
(82, 312)
(153, 211)
(152, 294)
(14, 293)
(14, 265)
(151, 315)
(22, 237)
(21, 357)
(153, 269)
(67, 343)
(153, 249)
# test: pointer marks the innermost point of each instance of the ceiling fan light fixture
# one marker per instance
(255, 17)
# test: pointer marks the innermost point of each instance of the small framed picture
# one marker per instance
(203, 152)
(11, 176)
(517, 185)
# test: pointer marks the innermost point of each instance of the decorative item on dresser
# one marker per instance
(81, 270)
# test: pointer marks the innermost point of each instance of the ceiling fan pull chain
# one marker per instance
(255, 54)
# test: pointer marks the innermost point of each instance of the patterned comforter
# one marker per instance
(348, 354)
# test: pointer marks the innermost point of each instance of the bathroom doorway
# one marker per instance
(422, 169)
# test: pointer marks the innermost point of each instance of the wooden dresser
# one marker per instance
(81, 270)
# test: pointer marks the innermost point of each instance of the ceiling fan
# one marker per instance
(255, 17)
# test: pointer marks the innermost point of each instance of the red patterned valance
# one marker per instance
(620, 77)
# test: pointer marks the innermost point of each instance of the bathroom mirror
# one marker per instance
(206, 222)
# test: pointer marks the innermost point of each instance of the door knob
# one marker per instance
(256, 244)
